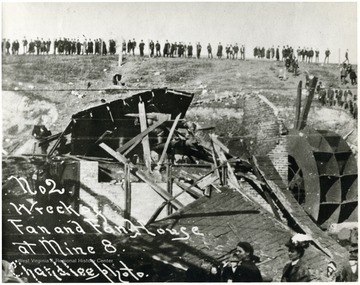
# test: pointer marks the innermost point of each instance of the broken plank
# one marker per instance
(156, 213)
(190, 189)
(69, 126)
(305, 111)
(232, 178)
(206, 181)
(143, 176)
(186, 175)
(145, 140)
(298, 106)
(197, 180)
(272, 205)
(214, 159)
(49, 139)
(128, 146)
(168, 140)
(219, 143)
(287, 203)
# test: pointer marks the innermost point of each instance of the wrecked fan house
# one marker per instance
(171, 195)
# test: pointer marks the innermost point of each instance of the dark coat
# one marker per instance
(299, 273)
(247, 271)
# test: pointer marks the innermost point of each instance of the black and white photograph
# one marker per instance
(179, 142)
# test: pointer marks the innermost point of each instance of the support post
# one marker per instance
(143, 176)
(168, 140)
(156, 213)
(298, 106)
(169, 185)
(145, 140)
(223, 174)
(215, 162)
(309, 98)
(57, 143)
(128, 146)
(127, 213)
(229, 171)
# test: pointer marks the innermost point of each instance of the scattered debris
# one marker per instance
(77, 94)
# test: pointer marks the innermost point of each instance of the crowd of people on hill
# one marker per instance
(241, 266)
(65, 46)
(343, 98)
(345, 71)
(333, 96)
(178, 49)
(304, 54)
(181, 49)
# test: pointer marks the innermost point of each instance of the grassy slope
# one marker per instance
(203, 77)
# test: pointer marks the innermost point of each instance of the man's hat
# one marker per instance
(299, 241)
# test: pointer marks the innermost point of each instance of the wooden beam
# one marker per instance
(168, 140)
(59, 138)
(204, 177)
(219, 143)
(128, 146)
(224, 161)
(127, 213)
(49, 139)
(169, 184)
(156, 213)
(143, 176)
(309, 98)
(261, 187)
(232, 178)
(206, 181)
(190, 189)
(285, 204)
(152, 116)
(145, 140)
(272, 205)
(189, 176)
(298, 106)
(214, 159)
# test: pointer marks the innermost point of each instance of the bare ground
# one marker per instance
(50, 89)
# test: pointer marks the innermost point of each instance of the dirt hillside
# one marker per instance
(49, 89)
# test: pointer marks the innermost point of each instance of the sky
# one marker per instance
(319, 25)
